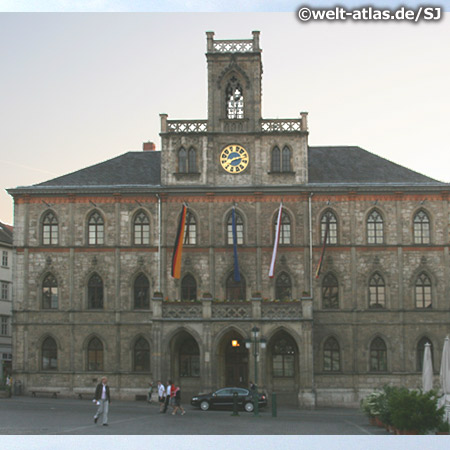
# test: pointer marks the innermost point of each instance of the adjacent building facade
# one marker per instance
(93, 288)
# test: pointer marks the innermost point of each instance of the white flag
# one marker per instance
(275, 244)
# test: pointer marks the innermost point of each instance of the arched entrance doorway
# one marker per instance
(235, 360)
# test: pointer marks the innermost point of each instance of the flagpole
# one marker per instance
(159, 242)
(310, 246)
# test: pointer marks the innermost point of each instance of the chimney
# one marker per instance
(149, 147)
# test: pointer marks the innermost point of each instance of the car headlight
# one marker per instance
(194, 399)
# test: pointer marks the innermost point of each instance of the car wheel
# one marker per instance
(204, 405)
(249, 406)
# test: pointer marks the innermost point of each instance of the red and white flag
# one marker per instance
(275, 244)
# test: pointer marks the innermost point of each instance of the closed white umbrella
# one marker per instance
(427, 369)
(445, 375)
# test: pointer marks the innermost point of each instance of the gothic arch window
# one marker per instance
(190, 229)
(378, 355)
(95, 355)
(328, 221)
(141, 356)
(189, 358)
(49, 352)
(141, 292)
(283, 287)
(286, 159)
(95, 292)
(49, 292)
(96, 229)
(235, 290)
(377, 291)
(375, 231)
(234, 96)
(421, 228)
(276, 160)
(283, 357)
(182, 160)
(421, 352)
(285, 230)
(330, 292)
(188, 288)
(49, 229)
(141, 229)
(192, 160)
(331, 355)
(423, 291)
(239, 229)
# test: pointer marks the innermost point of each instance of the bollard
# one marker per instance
(274, 404)
(235, 404)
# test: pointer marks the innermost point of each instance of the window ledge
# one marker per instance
(187, 175)
(289, 173)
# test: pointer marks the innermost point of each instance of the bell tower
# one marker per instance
(234, 84)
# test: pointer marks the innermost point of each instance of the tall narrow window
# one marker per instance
(49, 354)
(95, 355)
(286, 159)
(283, 287)
(377, 292)
(331, 355)
(192, 160)
(283, 357)
(421, 352)
(330, 292)
(189, 358)
(235, 290)
(49, 229)
(423, 291)
(239, 229)
(421, 228)
(95, 292)
(190, 229)
(141, 229)
(5, 258)
(4, 294)
(188, 288)
(4, 325)
(328, 220)
(234, 99)
(375, 233)
(182, 160)
(96, 229)
(378, 356)
(141, 357)
(141, 292)
(285, 230)
(50, 292)
(276, 160)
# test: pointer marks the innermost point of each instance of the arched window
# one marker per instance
(141, 229)
(423, 291)
(421, 228)
(285, 230)
(421, 352)
(329, 221)
(235, 290)
(188, 288)
(95, 355)
(283, 357)
(283, 287)
(141, 356)
(377, 292)
(189, 358)
(378, 356)
(141, 292)
(239, 229)
(234, 99)
(49, 353)
(50, 229)
(49, 292)
(190, 229)
(96, 229)
(330, 292)
(331, 355)
(276, 160)
(375, 233)
(182, 160)
(192, 160)
(286, 159)
(95, 292)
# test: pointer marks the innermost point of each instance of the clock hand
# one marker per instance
(234, 159)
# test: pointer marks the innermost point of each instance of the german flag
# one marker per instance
(178, 247)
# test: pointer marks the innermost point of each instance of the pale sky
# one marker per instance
(77, 89)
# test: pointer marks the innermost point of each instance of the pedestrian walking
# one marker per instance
(103, 400)
(150, 392)
(161, 396)
(178, 406)
(167, 399)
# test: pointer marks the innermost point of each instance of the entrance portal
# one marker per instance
(236, 362)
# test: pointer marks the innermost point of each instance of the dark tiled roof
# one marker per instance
(6, 233)
(354, 165)
(132, 168)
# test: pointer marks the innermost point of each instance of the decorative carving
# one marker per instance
(181, 310)
(281, 125)
(48, 260)
(238, 46)
(232, 310)
(94, 261)
(274, 311)
(187, 126)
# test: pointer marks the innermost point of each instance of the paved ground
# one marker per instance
(46, 416)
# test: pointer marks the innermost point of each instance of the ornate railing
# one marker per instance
(231, 310)
(182, 310)
(275, 311)
(281, 125)
(240, 46)
(187, 126)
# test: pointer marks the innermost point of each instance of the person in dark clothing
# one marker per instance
(103, 400)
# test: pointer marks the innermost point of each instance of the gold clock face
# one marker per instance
(234, 158)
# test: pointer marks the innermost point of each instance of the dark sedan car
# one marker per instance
(223, 398)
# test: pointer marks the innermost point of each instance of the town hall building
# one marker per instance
(94, 295)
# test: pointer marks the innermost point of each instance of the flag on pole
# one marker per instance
(275, 244)
(178, 247)
(237, 276)
(319, 266)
